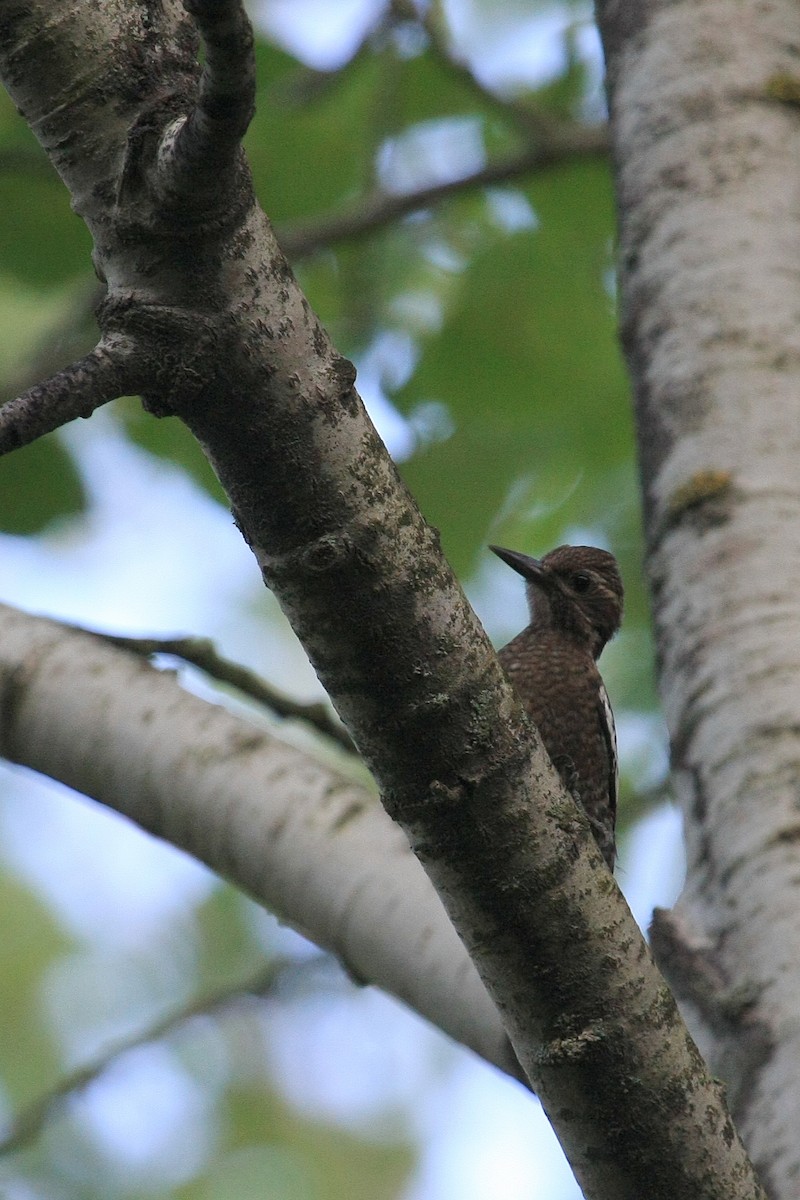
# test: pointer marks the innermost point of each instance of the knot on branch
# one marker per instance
(343, 374)
(562, 1052)
(184, 349)
(327, 553)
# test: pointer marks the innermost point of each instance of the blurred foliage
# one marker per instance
(247, 1140)
(494, 316)
(25, 505)
(300, 1160)
(29, 941)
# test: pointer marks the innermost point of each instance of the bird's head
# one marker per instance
(575, 589)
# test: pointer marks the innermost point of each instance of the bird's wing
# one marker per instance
(610, 737)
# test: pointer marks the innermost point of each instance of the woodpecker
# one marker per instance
(575, 599)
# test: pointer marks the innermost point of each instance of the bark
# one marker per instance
(706, 142)
(197, 282)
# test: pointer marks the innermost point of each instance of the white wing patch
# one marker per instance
(610, 735)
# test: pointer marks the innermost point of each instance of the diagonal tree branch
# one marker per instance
(201, 653)
(311, 844)
(375, 212)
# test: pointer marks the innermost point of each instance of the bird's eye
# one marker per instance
(581, 582)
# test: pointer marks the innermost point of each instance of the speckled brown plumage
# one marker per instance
(575, 598)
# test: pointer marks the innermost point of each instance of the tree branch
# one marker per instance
(114, 368)
(709, 268)
(574, 143)
(201, 653)
(195, 150)
(312, 845)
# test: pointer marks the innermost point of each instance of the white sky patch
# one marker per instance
(388, 362)
(109, 881)
(320, 33)
(511, 210)
(136, 562)
(510, 47)
(389, 1051)
(651, 863)
(97, 997)
(422, 311)
(488, 1138)
(431, 153)
(595, 107)
(150, 1117)
(432, 421)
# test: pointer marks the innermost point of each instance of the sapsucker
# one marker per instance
(575, 601)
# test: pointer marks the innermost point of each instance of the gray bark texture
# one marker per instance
(203, 306)
(706, 142)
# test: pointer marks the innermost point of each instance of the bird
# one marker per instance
(575, 596)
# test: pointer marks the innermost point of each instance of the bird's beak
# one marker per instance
(523, 564)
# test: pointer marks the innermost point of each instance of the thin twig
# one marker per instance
(531, 120)
(373, 212)
(201, 653)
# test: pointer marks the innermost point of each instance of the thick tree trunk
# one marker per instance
(706, 136)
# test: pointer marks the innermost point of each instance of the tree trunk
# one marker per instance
(706, 138)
